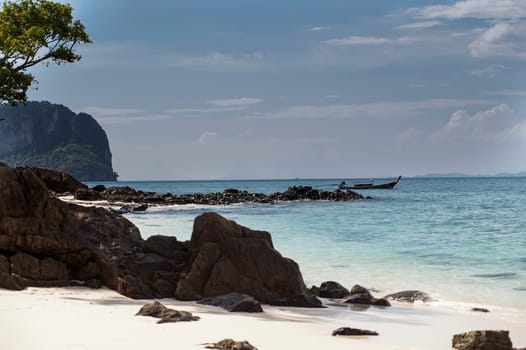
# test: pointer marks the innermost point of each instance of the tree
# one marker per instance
(34, 32)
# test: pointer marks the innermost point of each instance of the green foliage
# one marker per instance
(33, 32)
(77, 160)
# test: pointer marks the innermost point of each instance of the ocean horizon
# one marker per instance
(459, 239)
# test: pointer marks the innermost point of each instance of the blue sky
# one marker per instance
(273, 89)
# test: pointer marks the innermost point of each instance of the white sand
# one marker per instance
(81, 318)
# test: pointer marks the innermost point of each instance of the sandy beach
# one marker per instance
(81, 318)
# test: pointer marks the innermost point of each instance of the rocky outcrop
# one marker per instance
(164, 314)
(234, 302)
(46, 242)
(352, 331)
(58, 181)
(226, 257)
(409, 296)
(228, 196)
(482, 340)
(48, 135)
(360, 295)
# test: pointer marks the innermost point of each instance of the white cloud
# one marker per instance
(105, 111)
(386, 109)
(319, 28)
(205, 137)
(489, 71)
(367, 40)
(483, 9)
(242, 101)
(218, 60)
(496, 123)
(420, 25)
(502, 39)
(204, 110)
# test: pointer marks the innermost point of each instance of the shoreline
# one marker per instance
(82, 318)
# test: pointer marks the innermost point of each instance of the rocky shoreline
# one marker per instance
(228, 196)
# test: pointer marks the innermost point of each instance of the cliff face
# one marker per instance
(47, 135)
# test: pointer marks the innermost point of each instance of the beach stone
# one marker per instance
(158, 310)
(168, 247)
(226, 257)
(352, 331)
(482, 340)
(360, 295)
(315, 290)
(230, 344)
(409, 296)
(479, 309)
(25, 265)
(99, 188)
(234, 302)
(331, 289)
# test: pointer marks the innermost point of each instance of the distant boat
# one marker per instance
(369, 185)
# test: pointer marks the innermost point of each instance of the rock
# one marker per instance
(168, 247)
(230, 344)
(99, 188)
(226, 257)
(234, 302)
(2, 164)
(141, 207)
(158, 310)
(331, 289)
(58, 181)
(86, 194)
(51, 242)
(315, 291)
(25, 265)
(5, 265)
(409, 296)
(352, 331)
(482, 340)
(51, 269)
(360, 295)
(479, 309)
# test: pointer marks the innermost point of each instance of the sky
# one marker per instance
(258, 89)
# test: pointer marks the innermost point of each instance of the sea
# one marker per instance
(461, 240)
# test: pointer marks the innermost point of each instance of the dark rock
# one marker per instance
(479, 309)
(360, 295)
(85, 194)
(25, 265)
(234, 302)
(168, 247)
(230, 344)
(10, 281)
(58, 181)
(5, 265)
(2, 164)
(158, 310)
(226, 257)
(73, 243)
(352, 331)
(300, 300)
(315, 291)
(99, 188)
(482, 340)
(331, 289)
(409, 296)
(51, 269)
(141, 207)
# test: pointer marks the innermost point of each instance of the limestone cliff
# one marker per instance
(51, 136)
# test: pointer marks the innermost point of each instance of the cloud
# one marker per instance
(367, 40)
(204, 110)
(387, 109)
(489, 71)
(218, 61)
(205, 137)
(319, 28)
(242, 101)
(105, 111)
(420, 25)
(497, 123)
(502, 39)
(482, 9)
(506, 93)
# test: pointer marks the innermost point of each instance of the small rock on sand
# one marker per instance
(230, 344)
(158, 310)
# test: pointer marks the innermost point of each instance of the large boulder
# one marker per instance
(58, 181)
(226, 257)
(331, 289)
(482, 340)
(48, 242)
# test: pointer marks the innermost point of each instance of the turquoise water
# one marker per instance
(459, 239)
